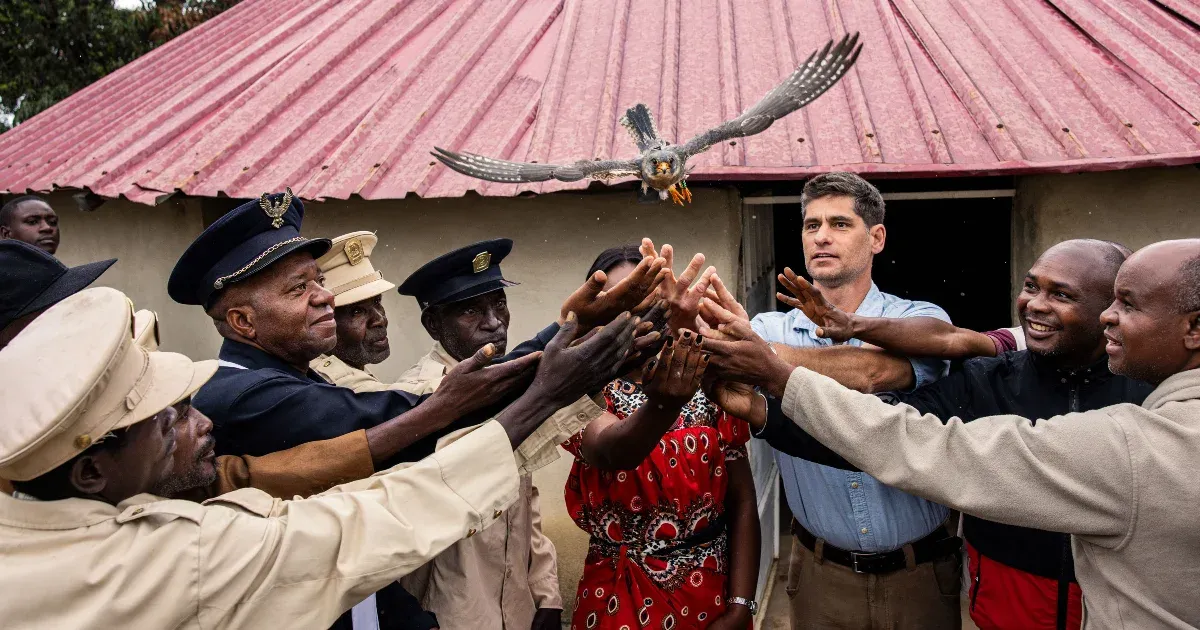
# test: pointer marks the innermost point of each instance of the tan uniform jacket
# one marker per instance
(499, 578)
(1121, 479)
(245, 560)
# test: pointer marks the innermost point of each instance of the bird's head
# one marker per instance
(662, 168)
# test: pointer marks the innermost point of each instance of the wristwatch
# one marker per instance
(748, 603)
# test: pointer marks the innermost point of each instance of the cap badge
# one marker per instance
(354, 251)
(482, 261)
(276, 210)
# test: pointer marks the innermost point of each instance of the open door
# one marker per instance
(757, 293)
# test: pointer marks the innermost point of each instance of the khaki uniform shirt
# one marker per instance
(244, 559)
(500, 578)
(1121, 480)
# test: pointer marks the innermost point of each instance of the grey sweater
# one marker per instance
(1123, 480)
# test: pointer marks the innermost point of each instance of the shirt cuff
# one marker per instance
(545, 593)
(541, 447)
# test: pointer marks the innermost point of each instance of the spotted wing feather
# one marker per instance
(817, 74)
(504, 171)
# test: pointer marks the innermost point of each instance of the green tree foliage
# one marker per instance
(50, 49)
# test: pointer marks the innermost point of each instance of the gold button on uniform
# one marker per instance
(863, 530)
(497, 513)
(328, 363)
(854, 484)
(139, 511)
(470, 532)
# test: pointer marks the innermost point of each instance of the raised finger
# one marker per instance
(692, 271)
(647, 247)
(691, 363)
(701, 368)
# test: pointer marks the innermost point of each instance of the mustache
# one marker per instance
(209, 445)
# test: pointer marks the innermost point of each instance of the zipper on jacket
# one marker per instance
(1064, 585)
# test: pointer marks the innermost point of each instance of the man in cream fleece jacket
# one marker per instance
(1121, 480)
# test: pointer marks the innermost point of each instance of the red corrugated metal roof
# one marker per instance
(346, 97)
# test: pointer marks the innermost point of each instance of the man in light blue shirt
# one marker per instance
(866, 555)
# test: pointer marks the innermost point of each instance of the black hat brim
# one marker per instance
(73, 281)
(476, 291)
(315, 246)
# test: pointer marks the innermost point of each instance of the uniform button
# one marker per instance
(470, 532)
(863, 530)
(497, 513)
(328, 363)
(581, 416)
(138, 511)
(854, 484)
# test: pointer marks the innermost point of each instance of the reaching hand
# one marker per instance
(739, 354)
(672, 378)
(832, 322)
(568, 371)
(737, 399)
(681, 296)
(593, 306)
(474, 384)
(721, 295)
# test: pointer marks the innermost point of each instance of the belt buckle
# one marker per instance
(854, 555)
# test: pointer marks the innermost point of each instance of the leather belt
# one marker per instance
(935, 546)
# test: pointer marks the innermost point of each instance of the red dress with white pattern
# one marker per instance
(658, 556)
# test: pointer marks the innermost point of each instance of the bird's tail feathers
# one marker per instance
(640, 124)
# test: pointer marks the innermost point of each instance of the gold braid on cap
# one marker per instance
(220, 282)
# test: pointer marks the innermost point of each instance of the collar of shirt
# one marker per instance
(252, 358)
(440, 355)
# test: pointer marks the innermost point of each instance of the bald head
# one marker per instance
(1153, 326)
(1063, 295)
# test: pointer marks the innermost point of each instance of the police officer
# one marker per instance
(259, 281)
(507, 577)
(92, 422)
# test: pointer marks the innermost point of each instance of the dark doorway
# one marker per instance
(952, 252)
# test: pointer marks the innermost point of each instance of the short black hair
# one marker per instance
(610, 258)
(56, 484)
(1189, 285)
(868, 202)
(7, 210)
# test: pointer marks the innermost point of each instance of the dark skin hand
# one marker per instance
(594, 305)
(547, 619)
(472, 385)
(568, 371)
(908, 336)
(682, 297)
(670, 380)
(739, 354)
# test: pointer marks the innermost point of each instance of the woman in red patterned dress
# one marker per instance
(665, 491)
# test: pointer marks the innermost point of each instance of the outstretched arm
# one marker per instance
(911, 336)
(868, 370)
(670, 381)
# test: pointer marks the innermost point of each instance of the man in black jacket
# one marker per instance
(1020, 577)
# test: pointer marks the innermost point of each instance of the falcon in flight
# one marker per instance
(660, 164)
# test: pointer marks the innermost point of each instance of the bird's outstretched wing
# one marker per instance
(817, 74)
(493, 170)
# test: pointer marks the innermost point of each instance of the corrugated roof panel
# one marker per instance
(342, 98)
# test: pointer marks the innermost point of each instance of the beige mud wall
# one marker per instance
(1135, 207)
(556, 238)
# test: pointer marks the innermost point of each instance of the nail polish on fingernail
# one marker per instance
(706, 357)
